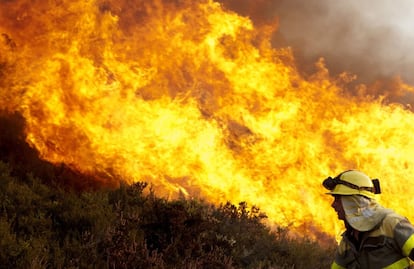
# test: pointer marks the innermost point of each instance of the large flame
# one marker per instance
(192, 98)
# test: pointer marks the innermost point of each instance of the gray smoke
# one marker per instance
(372, 39)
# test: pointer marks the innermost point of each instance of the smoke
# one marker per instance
(371, 39)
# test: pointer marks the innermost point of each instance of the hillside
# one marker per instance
(49, 219)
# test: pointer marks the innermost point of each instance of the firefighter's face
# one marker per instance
(337, 205)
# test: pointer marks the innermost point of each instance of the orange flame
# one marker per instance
(192, 98)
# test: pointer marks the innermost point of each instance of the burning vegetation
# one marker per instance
(192, 98)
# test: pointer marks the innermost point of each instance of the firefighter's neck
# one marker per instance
(352, 232)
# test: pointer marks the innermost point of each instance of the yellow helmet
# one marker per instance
(352, 182)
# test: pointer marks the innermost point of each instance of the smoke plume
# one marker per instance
(371, 39)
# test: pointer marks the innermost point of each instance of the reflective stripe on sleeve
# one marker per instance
(336, 266)
(401, 264)
(408, 245)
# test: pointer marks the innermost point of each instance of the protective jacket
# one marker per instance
(390, 244)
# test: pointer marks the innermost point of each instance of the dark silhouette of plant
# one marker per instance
(49, 226)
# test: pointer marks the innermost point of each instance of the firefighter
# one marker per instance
(375, 237)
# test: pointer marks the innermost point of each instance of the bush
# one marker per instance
(43, 226)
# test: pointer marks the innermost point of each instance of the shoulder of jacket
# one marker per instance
(388, 224)
(392, 219)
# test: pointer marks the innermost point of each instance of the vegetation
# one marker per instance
(51, 227)
(53, 217)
